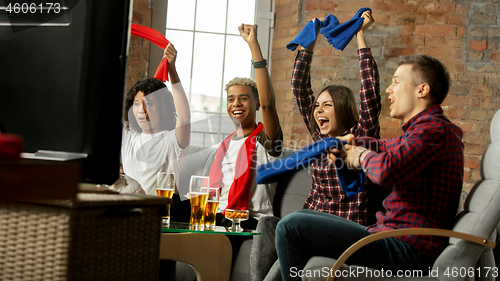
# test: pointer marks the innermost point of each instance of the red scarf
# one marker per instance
(239, 192)
(158, 39)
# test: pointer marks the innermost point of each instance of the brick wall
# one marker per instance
(138, 60)
(462, 34)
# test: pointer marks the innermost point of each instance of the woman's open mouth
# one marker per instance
(323, 122)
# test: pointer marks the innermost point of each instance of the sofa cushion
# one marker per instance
(197, 162)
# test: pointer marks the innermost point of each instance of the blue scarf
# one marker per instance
(351, 181)
(308, 33)
(337, 35)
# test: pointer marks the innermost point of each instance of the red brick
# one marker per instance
(466, 176)
(475, 149)
(396, 52)
(461, 32)
(323, 51)
(455, 42)
(494, 56)
(465, 126)
(456, 101)
(478, 44)
(398, 41)
(435, 41)
(434, 7)
(435, 19)
(478, 115)
(328, 6)
(472, 162)
(455, 66)
(474, 138)
(351, 7)
(483, 90)
(455, 20)
(435, 29)
(313, 15)
(487, 103)
(282, 11)
(438, 53)
(395, 7)
(136, 17)
(330, 62)
(418, 41)
(458, 90)
(397, 19)
(476, 175)
(456, 113)
(470, 78)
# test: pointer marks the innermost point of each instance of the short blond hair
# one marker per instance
(244, 82)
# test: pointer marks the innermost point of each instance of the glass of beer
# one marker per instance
(198, 197)
(165, 186)
(211, 208)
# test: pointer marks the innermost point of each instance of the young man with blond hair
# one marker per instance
(251, 144)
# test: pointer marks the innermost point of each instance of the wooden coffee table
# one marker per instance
(208, 252)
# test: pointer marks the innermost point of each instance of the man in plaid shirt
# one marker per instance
(425, 166)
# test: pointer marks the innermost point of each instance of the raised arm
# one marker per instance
(301, 84)
(183, 125)
(264, 86)
(369, 108)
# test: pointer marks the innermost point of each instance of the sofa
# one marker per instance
(291, 193)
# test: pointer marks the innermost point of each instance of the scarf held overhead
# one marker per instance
(159, 40)
(351, 181)
(337, 35)
(239, 192)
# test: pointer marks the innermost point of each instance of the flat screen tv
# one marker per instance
(62, 80)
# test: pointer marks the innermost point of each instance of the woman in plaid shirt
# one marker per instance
(331, 114)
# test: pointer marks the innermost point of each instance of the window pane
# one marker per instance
(183, 43)
(211, 15)
(240, 12)
(207, 66)
(180, 14)
(238, 59)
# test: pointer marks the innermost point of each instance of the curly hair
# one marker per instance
(164, 99)
(244, 82)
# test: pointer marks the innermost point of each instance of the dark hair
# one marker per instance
(431, 71)
(346, 113)
(164, 99)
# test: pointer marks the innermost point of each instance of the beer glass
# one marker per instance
(211, 208)
(198, 197)
(165, 186)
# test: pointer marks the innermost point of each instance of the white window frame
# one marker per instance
(264, 18)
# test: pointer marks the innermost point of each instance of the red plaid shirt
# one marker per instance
(326, 194)
(425, 165)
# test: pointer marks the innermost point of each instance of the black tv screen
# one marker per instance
(62, 80)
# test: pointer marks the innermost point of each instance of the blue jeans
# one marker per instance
(307, 233)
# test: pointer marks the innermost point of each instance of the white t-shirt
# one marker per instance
(261, 196)
(144, 155)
